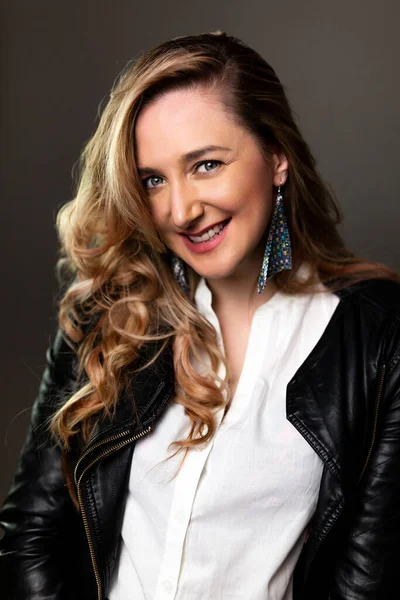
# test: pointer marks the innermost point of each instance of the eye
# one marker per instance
(144, 181)
(209, 162)
(200, 164)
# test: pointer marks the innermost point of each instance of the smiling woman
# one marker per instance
(219, 416)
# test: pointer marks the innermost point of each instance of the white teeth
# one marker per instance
(208, 234)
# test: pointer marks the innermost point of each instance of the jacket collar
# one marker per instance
(308, 401)
(144, 396)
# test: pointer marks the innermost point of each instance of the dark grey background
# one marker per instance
(338, 60)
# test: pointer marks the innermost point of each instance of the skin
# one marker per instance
(190, 196)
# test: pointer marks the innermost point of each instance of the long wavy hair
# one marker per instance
(122, 294)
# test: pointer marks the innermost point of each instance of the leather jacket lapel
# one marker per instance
(137, 401)
(311, 411)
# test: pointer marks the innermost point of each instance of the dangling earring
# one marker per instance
(278, 251)
(178, 271)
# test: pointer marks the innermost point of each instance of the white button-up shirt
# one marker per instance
(231, 524)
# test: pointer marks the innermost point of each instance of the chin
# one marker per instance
(214, 273)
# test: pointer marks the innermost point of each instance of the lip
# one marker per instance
(198, 233)
(210, 244)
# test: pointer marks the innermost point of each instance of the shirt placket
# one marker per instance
(186, 485)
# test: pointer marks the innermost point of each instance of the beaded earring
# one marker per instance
(278, 251)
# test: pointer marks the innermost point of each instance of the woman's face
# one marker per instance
(210, 189)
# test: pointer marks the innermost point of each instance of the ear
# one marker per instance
(281, 167)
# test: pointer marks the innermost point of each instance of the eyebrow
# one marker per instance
(188, 157)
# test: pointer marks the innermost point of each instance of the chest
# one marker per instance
(235, 334)
(254, 442)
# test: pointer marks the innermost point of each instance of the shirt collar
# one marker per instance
(203, 297)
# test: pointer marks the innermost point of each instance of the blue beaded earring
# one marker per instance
(278, 251)
(178, 271)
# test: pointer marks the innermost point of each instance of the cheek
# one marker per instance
(256, 205)
(158, 216)
(253, 190)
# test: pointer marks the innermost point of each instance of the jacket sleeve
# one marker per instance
(38, 517)
(368, 568)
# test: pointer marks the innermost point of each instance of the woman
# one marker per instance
(220, 412)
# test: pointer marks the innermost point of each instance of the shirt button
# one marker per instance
(168, 587)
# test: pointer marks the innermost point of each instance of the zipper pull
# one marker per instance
(308, 533)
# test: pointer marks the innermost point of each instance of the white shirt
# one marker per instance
(231, 524)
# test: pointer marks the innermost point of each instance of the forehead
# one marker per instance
(180, 121)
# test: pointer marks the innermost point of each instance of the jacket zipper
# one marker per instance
(378, 400)
(146, 407)
(79, 491)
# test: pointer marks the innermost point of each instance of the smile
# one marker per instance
(209, 240)
(209, 234)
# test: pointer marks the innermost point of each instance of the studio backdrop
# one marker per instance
(338, 61)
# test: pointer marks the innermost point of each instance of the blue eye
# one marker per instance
(203, 162)
(207, 162)
(144, 181)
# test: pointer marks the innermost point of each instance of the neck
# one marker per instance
(238, 292)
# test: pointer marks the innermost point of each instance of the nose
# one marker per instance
(185, 205)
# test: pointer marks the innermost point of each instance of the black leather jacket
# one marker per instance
(344, 400)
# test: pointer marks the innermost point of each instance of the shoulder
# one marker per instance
(378, 296)
(58, 379)
(371, 310)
